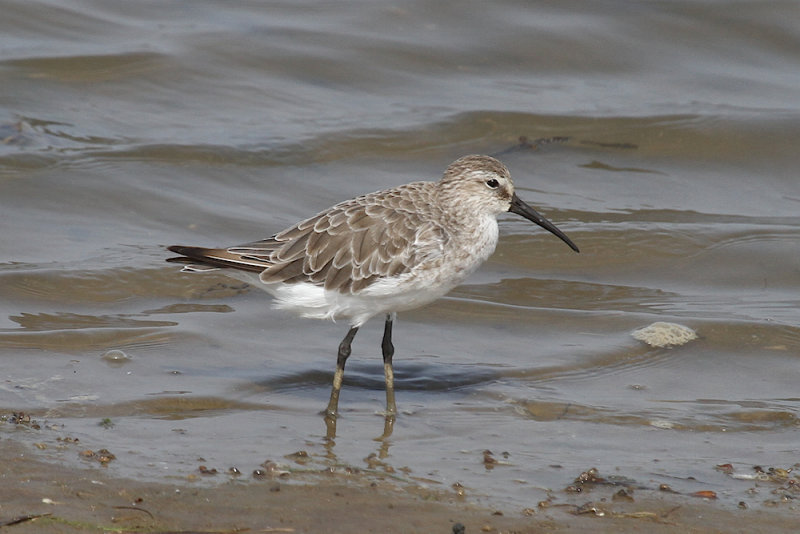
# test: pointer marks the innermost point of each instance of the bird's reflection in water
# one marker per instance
(383, 439)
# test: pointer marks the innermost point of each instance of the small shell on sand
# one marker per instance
(662, 334)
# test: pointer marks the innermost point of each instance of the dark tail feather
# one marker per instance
(212, 257)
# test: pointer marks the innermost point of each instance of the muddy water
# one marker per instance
(128, 127)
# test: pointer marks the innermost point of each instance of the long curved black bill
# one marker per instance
(520, 208)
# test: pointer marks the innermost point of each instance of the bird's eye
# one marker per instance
(492, 184)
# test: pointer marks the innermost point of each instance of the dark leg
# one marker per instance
(388, 352)
(341, 359)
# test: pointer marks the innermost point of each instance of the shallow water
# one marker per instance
(130, 126)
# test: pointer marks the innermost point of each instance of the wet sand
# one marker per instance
(38, 496)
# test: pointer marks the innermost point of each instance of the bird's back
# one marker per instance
(345, 248)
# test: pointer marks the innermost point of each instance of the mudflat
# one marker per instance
(38, 496)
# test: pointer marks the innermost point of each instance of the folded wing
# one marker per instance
(345, 248)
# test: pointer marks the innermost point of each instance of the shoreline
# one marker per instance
(45, 497)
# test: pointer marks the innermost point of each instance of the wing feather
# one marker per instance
(349, 246)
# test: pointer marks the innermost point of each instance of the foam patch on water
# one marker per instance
(662, 334)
